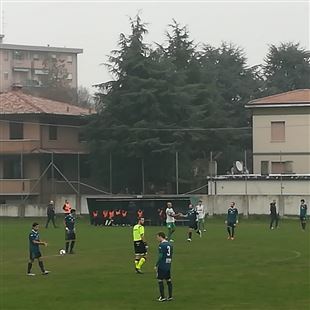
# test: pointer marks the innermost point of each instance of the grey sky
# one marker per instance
(95, 26)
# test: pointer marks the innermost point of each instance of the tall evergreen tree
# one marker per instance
(286, 67)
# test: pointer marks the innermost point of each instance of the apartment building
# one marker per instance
(281, 133)
(29, 65)
(42, 150)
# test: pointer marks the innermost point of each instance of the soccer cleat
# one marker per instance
(46, 272)
(171, 240)
(232, 238)
(139, 271)
(31, 274)
(204, 230)
(189, 239)
(228, 238)
(170, 298)
(161, 298)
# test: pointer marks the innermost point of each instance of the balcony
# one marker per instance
(22, 63)
(18, 146)
(18, 187)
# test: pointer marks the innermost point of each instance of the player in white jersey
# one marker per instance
(170, 220)
(201, 209)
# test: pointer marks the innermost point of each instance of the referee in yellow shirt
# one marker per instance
(140, 245)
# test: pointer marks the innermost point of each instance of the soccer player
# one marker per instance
(303, 214)
(192, 216)
(232, 220)
(170, 220)
(274, 215)
(70, 231)
(34, 247)
(200, 208)
(163, 266)
(50, 214)
(140, 245)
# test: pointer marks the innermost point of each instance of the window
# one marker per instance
(85, 169)
(36, 57)
(52, 132)
(277, 167)
(16, 130)
(81, 137)
(264, 167)
(69, 76)
(282, 167)
(53, 56)
(6, 75)
(12, 168)
(18, 55)
(69, 58)
(6, 55)
(277, 131)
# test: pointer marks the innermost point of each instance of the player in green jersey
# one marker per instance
(163, 266)
(34, 249)
(303, 214)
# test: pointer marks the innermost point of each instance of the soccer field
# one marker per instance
(260, 269)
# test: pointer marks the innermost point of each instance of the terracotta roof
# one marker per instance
(16, 102)
(294, 97)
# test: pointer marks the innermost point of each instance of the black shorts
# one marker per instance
(193, 225)
(34, 254)
(163, 274)
(70, 235)
(231, 224)
(139, 247)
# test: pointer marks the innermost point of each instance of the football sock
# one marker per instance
(169, 234)
(232, 231)
(141, 262)
(228, 230)
(303, 225)
(41, 266)
(169, 284)
(72, 246)
(67, 246)
(29, 267)
(136, 263)
(161, 288)
(190, 235)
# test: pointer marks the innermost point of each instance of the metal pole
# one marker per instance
(246, 185)
(177, 171)
(281, 173)
(53, 176)
(211, 173)
(78, 185)
(142, 170)
(111, 173)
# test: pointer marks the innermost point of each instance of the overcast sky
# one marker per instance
(95, 26)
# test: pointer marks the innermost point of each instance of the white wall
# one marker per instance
(216, 204)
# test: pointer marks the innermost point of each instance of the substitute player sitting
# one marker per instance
(140, 245)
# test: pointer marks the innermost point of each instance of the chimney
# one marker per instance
(1, 38)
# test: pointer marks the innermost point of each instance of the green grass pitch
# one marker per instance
(260, 269)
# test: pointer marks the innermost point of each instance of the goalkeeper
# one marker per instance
(140, 245)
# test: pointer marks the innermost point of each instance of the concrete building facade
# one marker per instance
(281, 133)
(27, 65)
